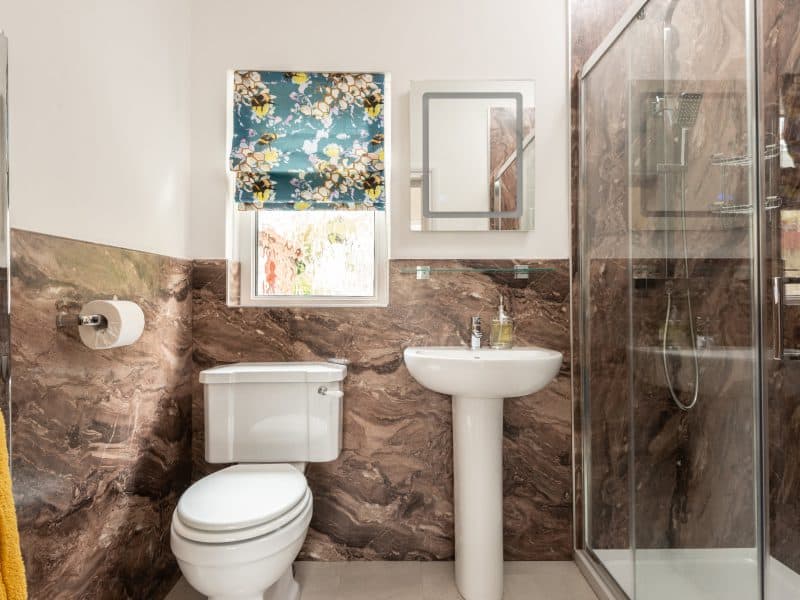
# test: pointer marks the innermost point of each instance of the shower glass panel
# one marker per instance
(669, 286)
(606, 316)
(779, 82)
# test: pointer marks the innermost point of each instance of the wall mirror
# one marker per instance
(472, 155)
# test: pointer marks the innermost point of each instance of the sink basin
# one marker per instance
(478, 380)
(484, 373)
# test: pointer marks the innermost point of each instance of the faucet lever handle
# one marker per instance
(475, 333)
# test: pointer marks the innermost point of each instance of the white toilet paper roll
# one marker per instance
(125, 324)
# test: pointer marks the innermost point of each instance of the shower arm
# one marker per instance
(684, 133)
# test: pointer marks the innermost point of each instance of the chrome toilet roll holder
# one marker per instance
(102, 324)
(64, 320)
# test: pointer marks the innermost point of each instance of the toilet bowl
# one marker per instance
(236, 532)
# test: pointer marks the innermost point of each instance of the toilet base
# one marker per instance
(286, 588)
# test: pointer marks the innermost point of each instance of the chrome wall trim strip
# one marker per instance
(633, 10)
(598, 578)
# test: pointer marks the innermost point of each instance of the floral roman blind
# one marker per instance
(308, 141)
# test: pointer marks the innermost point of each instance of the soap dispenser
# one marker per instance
(502, 332)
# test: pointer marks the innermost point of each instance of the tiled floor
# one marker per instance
(423, 581)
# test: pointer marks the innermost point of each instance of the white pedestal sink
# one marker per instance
(479, 380)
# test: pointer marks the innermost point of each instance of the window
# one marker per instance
(313, 258)
(309, 188)
(321, 253)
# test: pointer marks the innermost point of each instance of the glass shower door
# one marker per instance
(670, 317)
(694, 308)
(605, 315)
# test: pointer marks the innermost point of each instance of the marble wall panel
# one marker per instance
(589, 22)
(101, 439)
(389, 495)
(780, 96)
(695, 470)
(5, 345)
(609, 422)
(606, 229)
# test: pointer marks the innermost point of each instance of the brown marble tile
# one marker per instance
(101, 439)
(389, 495)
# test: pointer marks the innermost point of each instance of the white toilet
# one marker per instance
(235, 533)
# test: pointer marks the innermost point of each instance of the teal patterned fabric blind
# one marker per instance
(308, 141)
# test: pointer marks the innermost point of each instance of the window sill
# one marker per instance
(311, 302)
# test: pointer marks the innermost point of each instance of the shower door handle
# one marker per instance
(778, 303)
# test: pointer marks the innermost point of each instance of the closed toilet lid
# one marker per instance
(241, 496)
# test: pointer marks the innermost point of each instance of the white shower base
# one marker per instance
(699, 574)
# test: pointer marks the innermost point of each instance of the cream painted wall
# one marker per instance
(104, 94)
(413, 39)
(99, 120)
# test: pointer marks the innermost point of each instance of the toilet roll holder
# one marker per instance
(103, 324)
(66, 320)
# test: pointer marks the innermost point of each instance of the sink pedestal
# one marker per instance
(478, 474)
(478, 380)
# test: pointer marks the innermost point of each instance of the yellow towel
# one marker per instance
(12, 571)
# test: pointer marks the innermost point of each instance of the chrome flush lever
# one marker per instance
(324, 391)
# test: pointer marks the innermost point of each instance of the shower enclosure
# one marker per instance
(689, 225)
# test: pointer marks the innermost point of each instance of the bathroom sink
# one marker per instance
(484, 373)
(478, 380)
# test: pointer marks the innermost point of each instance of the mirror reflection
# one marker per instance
(472, 155)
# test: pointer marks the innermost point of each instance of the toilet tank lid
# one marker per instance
(276, 372)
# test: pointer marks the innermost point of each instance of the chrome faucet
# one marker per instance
(476, 333)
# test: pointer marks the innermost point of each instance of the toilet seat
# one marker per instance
(241, 503)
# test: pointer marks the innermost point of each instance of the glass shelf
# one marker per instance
(518, 271)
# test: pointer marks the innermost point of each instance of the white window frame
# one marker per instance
(246, 246)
